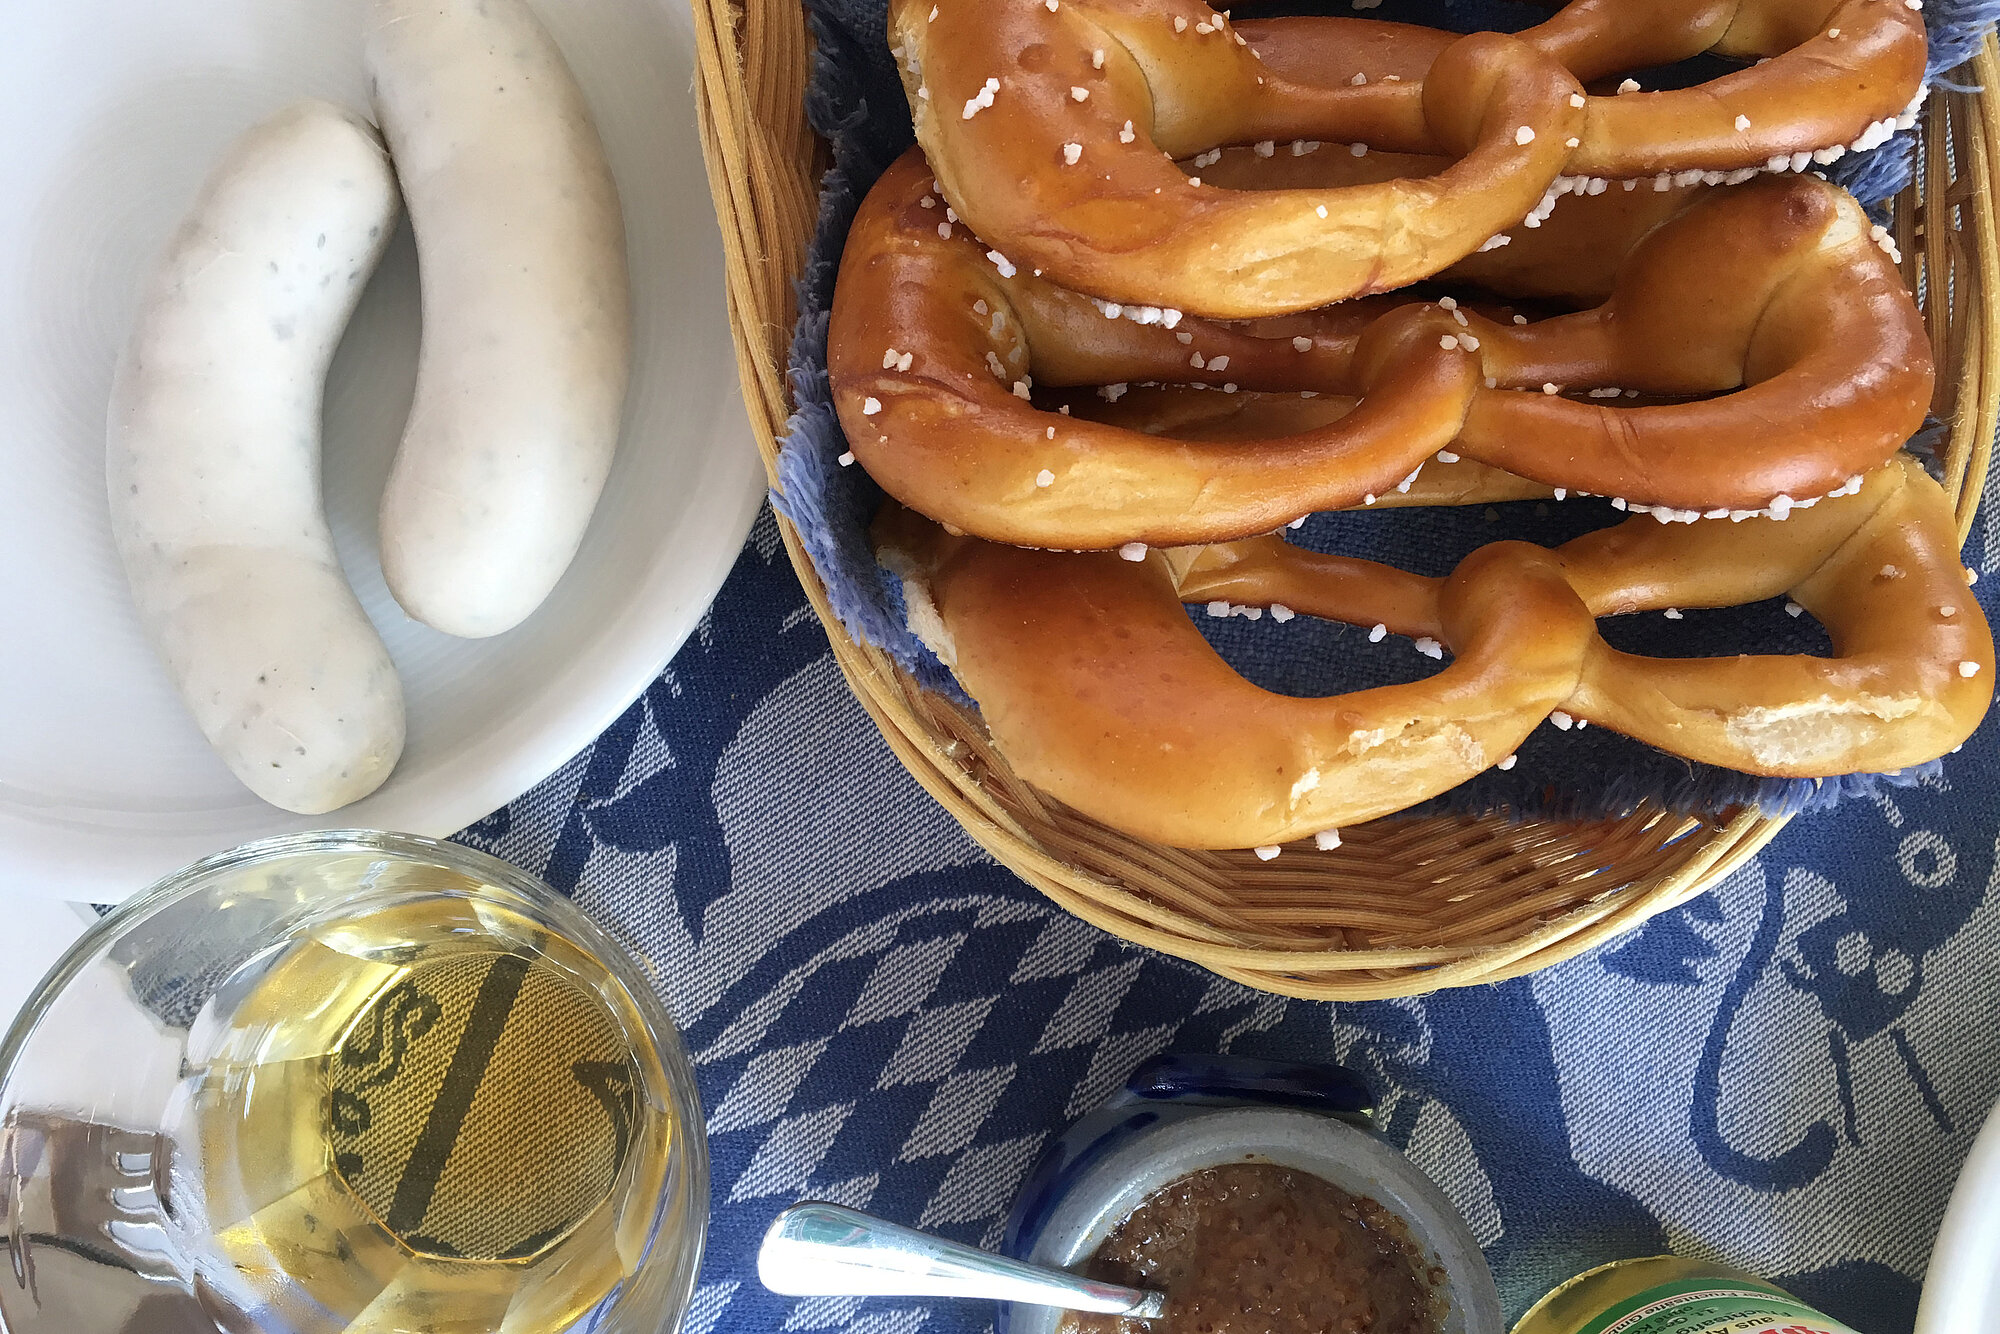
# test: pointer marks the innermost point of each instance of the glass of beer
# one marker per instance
(348, 1083)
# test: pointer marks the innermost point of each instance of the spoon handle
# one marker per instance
(827, 1250)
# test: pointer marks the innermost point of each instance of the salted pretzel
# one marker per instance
(1050, 126)
(1053, 129)
(1570, 253)
(1098, 689)
(1207, 416)
(1831, 76)
(1772, 295)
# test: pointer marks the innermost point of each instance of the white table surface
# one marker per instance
(33, 934)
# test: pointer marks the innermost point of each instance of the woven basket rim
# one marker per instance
(764, 166)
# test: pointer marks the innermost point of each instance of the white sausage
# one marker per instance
(212, 462)
(526, 309)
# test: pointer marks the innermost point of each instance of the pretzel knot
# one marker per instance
(1051, 125)
(1098, 690)
(1053, 128)
(1772, 295)
(1832, 76)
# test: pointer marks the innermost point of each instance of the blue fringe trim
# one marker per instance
(1957, 29)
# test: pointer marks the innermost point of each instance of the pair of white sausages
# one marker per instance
(212, 465)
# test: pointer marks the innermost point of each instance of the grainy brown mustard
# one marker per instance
(1252, 1248)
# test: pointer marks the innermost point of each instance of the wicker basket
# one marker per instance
(1406, 905)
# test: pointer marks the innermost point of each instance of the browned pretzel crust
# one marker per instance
(1772, 296)
(1832, 76)
(1050, 127)
(1571, 257)
(1097, 688)
(1086, 188)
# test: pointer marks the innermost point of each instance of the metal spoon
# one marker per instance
(826, 1250)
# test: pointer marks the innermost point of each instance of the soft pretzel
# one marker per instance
(1773, 296)
(1830, 76)
(1046, 126)
(1098, 689)
(1052, 128)
(1211, 417)
(1569, 254)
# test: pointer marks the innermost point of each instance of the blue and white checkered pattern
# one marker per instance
(1783, 1074)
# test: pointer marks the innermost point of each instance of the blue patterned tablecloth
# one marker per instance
(1784, 1074)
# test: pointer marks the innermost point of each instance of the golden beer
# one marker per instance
(432, 1116)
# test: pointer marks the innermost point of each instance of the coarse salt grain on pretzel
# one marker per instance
(1832, 76)
(1097, 688)
(1772, 295)
(1206, 415)
(1779, 298)
(1571, 256)
(1778, 286)
(1053, 129)
(933, 352)
(1099, 691)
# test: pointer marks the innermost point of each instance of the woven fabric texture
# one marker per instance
(1784, 1074)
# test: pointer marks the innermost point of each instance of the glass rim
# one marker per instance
(631, 974)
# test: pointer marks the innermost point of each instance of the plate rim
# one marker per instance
(53, 848)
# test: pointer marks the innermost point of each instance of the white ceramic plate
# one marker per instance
(117, 110)
(1962, 1286)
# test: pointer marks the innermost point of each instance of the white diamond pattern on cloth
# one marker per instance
(747, 1030)
(823, 1313)
(1223, 994)
(1267, 1013)
(934, 1042)
(905, 1321)
(982, 1182)
(1067, 986)
(1086, 1011)
(706, 1307)
(1064, 947)
(785, 1161)
(1989, 509)
(766, 1085)
(996, 911)
(855, 1192)
(904, 979)
(957, 1109)
(1115, 1058)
